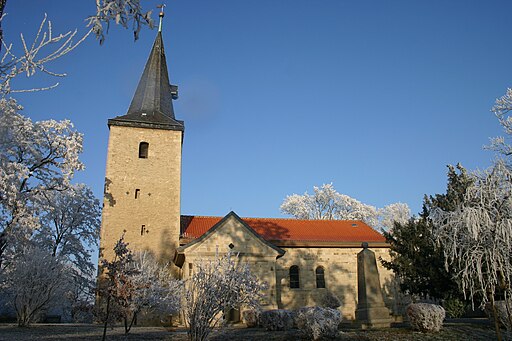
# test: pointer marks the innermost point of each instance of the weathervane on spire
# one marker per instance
(161, 15)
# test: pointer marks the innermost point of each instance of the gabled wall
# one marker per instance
(260, 257)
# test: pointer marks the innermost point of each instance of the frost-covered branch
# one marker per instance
(501, 109)
(36, 57)
(121, 12)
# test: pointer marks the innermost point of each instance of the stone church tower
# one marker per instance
(143, 173)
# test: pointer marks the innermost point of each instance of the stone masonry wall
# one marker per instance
(158, 179)
(340, 265)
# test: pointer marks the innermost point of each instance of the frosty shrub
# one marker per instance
(277, 319)
(295, 315)
(330, 300)
(217, 286)
(316, 323)
(425, 317)
(34, 283)
(156, 290)
(251, 317)
(501, 312)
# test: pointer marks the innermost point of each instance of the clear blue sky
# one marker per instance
(278, 96)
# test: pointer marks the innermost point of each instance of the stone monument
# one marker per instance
(371, 311)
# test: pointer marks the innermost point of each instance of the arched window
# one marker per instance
(143, 150)
(320, 279)
(294, 277)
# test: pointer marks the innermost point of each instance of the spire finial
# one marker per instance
(161, 16)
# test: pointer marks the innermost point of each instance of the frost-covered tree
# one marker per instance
(477, 234)
(116, 286)
(156, 290)
(415, 259)
(398, 212)
(216, 287)
(70, 224)
(134, 283)
(36, 281)
(35, 157)
(38, 204)
(69, 229)
(328, 204)
(477, 237)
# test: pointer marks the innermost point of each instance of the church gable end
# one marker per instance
(231, 233)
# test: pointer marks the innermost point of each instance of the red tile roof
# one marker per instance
(274, 229)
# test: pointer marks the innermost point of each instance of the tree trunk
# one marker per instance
(134, 318)
(496, 321)
(509, 313)
(107, 312)
(3, 239)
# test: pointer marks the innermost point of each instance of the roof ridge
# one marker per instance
(201, 216)
(296, 219)
(268, 218)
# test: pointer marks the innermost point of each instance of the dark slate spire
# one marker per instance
(151, 105)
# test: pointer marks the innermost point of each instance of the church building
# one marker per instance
(299, 259)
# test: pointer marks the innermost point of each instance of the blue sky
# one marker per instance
(278, 96)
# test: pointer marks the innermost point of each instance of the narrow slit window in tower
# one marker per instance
(142, 230)
(143, 150)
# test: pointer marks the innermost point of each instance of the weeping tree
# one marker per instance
(477, 237)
